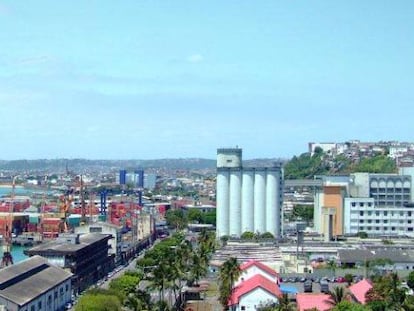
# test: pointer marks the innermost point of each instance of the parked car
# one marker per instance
(307, 286)
(324, 287)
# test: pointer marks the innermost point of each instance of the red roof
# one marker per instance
(358, 290)
(252, 283)
(319, 301)
(260, 265)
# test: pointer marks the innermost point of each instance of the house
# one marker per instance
(256, 291)
(358, 290)
(307, 301)
(253, 267)
(34, 284)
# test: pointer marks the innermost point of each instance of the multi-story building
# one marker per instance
(86, 256)
(248, 199)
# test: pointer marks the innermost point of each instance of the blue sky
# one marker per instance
(167, 79)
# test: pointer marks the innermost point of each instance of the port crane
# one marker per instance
(7, 238)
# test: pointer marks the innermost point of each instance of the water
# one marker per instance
(6, 190)
(17, 253)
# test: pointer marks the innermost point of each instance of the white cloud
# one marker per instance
(195, 58)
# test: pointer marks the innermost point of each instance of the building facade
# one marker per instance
(248, 199)
(33, 285)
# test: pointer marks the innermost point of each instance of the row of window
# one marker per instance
(49, 299)
(369, 228)
(385, 213)
(377, 221)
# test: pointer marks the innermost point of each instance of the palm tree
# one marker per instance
(285, 304)
(331, 265)
(337, 295)
(229, 273)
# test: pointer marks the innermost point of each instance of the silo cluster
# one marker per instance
(248, 199)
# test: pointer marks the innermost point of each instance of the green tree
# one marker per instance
(332, 265)
(176, 218)
(410, 280)
(99, 302)
(303, 212)
(126, 284)
(267, 235)
(209, 218)
(362, 235)
(229, 273)
(350, 306)
(376, 164)
(248, 235)
(195, 215)
(337, 295)
(348, 278)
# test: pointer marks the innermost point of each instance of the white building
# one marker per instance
(34, 284)
(380, 204)
(248, 199)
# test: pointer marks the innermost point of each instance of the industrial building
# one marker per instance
(86, 256)
(34, 284)
(248, 198)
(378, 204)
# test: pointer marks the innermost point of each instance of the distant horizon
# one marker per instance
(140, 79)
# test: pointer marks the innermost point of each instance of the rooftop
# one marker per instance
(23, 282)
(358, 290)
(67, 247)
(307, 301)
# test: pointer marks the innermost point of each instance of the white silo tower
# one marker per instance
(260, 200)
(228, 197)
(273, 201)
(235, 202)
(247, 205)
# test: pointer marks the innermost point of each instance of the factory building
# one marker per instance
(248, 198)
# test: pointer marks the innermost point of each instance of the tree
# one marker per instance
(176, 218)
(362, 235)
(348, 278)
(410, 280)
(376, 164)
(267, 235)
(195, 215)
(99, 302)
(229, 273)
(303, 212)
(350, 306)
(337, 295)
(285, 304)
(247, 235)
(126, 284)
(332, 265)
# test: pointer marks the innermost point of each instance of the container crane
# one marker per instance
(7, 238)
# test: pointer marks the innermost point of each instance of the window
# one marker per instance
(369, 213)
(377, 221)
(410, 229)
(361, 213)
(361, 221)
(32, 308)
(39, 305)
(353, 204)
(377, 228)
(369, 204)
(409, 214)
(67, 287)
(55, 294)
(409, 221)
(401, 213)
(361, 204)
(385, 213)
(385, 228)
(61, 291)
(392, 228)
(369, 221)
(243, 308)
(385, 221)
(377, 213)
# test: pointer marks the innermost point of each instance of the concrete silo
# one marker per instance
(247, 204)
(260, 200)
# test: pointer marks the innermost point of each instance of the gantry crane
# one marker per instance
(7, 238)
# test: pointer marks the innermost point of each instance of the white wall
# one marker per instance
(253, 299)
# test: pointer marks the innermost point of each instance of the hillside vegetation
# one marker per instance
(307, 165)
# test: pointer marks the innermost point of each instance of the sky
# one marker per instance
(178, 79)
